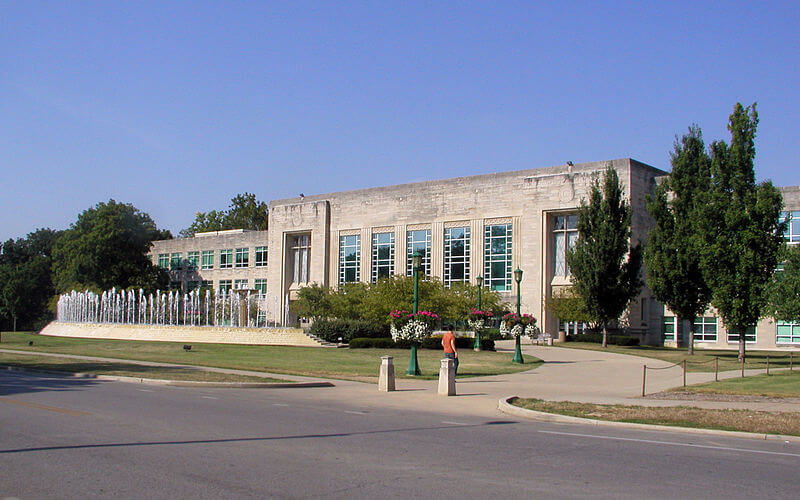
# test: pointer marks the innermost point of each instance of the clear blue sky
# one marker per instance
(176, 107)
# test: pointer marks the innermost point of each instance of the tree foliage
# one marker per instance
(375, 301)
(601, 275)
(743, 234)
(568, 306)
(672, 255)
(25, 280)
(107, 247)
(785, 288)
(244, 212)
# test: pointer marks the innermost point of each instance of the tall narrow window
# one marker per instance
(207, 259)
(456, 255)
(226, 258)
(497, 257)
(225, 285)
(242, 257)
(163, 260)
(176, 261)
(382, 255)
(705, 329)
(300, 247)
(260, 284)
(239, 284)
(261, 257)
(419, 241)
(669, 328)
(565, 234)
(192, 260)
(792, 233)
(349, 259)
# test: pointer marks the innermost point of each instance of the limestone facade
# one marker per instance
(531, 203)
(236, 258)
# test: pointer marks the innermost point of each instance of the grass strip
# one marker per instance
(308, 361)
(777, 385)
(762, 422)
(702, 360)
(71, 365)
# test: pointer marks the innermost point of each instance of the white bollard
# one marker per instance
(447, 378)
(386, 377)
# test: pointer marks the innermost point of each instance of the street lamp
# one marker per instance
(518, 350)
(416, 262)
(477, 346)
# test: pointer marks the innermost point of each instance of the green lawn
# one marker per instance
(121, 368)
(701, 361)
(780, 384)
(310, 361)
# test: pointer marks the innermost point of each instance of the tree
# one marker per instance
(743, 234)
(244, 212)
(601, 276)
(107, 247)
(785, 288)
(567, 306)
(672, 256)
(25, 279)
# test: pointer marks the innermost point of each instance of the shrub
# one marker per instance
(348, 329)
(367, 343)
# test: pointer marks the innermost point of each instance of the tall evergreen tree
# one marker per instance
(744, 237)
(601, 275)
(672, 255)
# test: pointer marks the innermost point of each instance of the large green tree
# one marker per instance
(602, 276)
(672, 255)
(743, 233)
(25, 279)
(785, 288)
(107, 247)
(244, 212)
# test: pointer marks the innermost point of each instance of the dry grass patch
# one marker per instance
(761, 422)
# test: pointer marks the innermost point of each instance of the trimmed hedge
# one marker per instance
(348, 329)
(597, 338)
(365, 343)
(434, 343)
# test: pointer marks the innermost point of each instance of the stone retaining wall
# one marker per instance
(198, 334)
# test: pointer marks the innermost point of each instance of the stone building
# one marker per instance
(483, 225)
(220, 260)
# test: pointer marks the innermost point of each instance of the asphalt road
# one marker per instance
(69, 438)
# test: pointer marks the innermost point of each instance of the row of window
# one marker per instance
(228, 258)
(457, 252)
(705, 330)
(259, 284)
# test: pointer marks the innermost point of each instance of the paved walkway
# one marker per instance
(567, 375)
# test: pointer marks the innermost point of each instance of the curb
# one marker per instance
(175, 383)
(506, 407)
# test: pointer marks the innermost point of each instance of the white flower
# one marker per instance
(476, 325)
(518, 330)
(413, 330)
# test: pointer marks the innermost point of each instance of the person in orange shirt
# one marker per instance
(449, 345)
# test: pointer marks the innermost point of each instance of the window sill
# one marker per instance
(561, 281)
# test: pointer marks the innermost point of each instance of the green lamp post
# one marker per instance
(518, 350)
(416, 262)
(477, 346)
